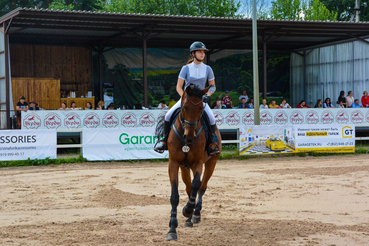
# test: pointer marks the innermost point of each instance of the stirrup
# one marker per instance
(215, 150)
(160, 149)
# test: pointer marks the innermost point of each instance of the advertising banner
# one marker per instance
(81, 119)
(120, 144)
(261, 140)
(24, 144)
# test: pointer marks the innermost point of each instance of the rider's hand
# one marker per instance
(206, 98)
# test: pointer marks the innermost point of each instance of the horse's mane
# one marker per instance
(194, 90)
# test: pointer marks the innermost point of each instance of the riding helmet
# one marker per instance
(198, 46)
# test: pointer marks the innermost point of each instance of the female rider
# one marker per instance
(197, 73)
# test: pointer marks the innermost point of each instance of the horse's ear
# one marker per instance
(189, 89)
(204, 91)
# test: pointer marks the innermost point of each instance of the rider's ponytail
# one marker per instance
(190, 61)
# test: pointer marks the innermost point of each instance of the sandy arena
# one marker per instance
(261, 201)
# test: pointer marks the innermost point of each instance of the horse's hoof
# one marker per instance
(196, 219)
(188, 224)
(185, 214)
(172, 236)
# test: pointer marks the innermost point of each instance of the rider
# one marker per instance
(197, 73)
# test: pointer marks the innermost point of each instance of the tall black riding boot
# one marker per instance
(161, 145)
(213, 147)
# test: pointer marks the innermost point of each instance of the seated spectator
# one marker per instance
(319, 104)
(365, 100)
(243, 104)
(162, 105)
(244, 95)
(227, 101)
(342, 99)
(215, 103)
(218, 104)
(63, 106)
(302, 104)
(251, 103)
(356, 104)
(171, 102)
(33, 106)
(111, 106)
(73, 106)
(350, 99)
(273, 104)
(100, 105)
(264, 104)
(327, 103)
(89, 106)
(284, 104)
(341, 105)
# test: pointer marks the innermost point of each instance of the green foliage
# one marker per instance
(60, 4)
(318, 11)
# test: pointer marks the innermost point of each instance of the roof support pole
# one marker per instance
(7, 79)
(265, 69)
(255, 65)
(144, 67)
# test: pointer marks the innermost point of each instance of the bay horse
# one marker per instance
(186, 145)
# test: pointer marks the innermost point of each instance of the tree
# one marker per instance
(345, 9)
(318, 11)
(60, 4)
(286, 9)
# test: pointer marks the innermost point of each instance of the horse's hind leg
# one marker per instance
(174, 200)
(209, 169)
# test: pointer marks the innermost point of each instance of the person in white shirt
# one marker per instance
(244, 95)
(162, 105)
(264, 104)
(284, 104)
(350, 99)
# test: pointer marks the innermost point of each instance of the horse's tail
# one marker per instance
(159, 131)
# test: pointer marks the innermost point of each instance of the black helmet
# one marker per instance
(198, 46)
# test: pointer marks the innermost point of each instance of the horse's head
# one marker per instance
(191, 110)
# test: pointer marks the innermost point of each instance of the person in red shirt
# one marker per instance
(227, 101)
(302, 104)
(365, 100)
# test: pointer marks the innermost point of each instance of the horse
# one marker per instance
(186, 144)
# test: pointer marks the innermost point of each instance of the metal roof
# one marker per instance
(86, 28)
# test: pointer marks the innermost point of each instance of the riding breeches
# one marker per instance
(207, 109)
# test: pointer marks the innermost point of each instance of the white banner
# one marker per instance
(120, 144)
(24, 144)
(79, 119)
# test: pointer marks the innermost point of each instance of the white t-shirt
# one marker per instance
(285, 106)
(242, 96)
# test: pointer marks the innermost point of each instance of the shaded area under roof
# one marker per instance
(92, 29)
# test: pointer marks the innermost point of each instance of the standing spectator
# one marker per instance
(327, 103)
(171, 102)
(63, 106)
(227, 101)
(243, 104)
(100, 105)
(22, 105)
(342, 99)
(302, 104)
(162, 105)
(33, 106)
(356, 104)
(244, 95)
(273, 104)
(340, 105)
(89, 106)
(264, 104)
(284, 104)
(251, 102)
(350, 99)
(365, 100)
(319, 104)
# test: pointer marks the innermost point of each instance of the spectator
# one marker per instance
(22, 105)
(33, 106)
(124, 107)
(341, 105)
(111, 106)
(89, 106)
(244, 95)
(356, 104)
(162, 105)
(63, 106)
(273, 104)
(243, 104)
(319, 104)
(350, 99)
(302, 104)
(284, 104)
(100, 105)
(327, 103)
(251, 103)
(215, 103)
(171, 102)
(342, 99)
(219, 104)
(73, 106)
(227, 101)
(365, 100)
(264, 104)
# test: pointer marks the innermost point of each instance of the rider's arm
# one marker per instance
(180, 86)
(211, 82)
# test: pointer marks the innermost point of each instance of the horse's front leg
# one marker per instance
(174, 200)
(195, 186)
